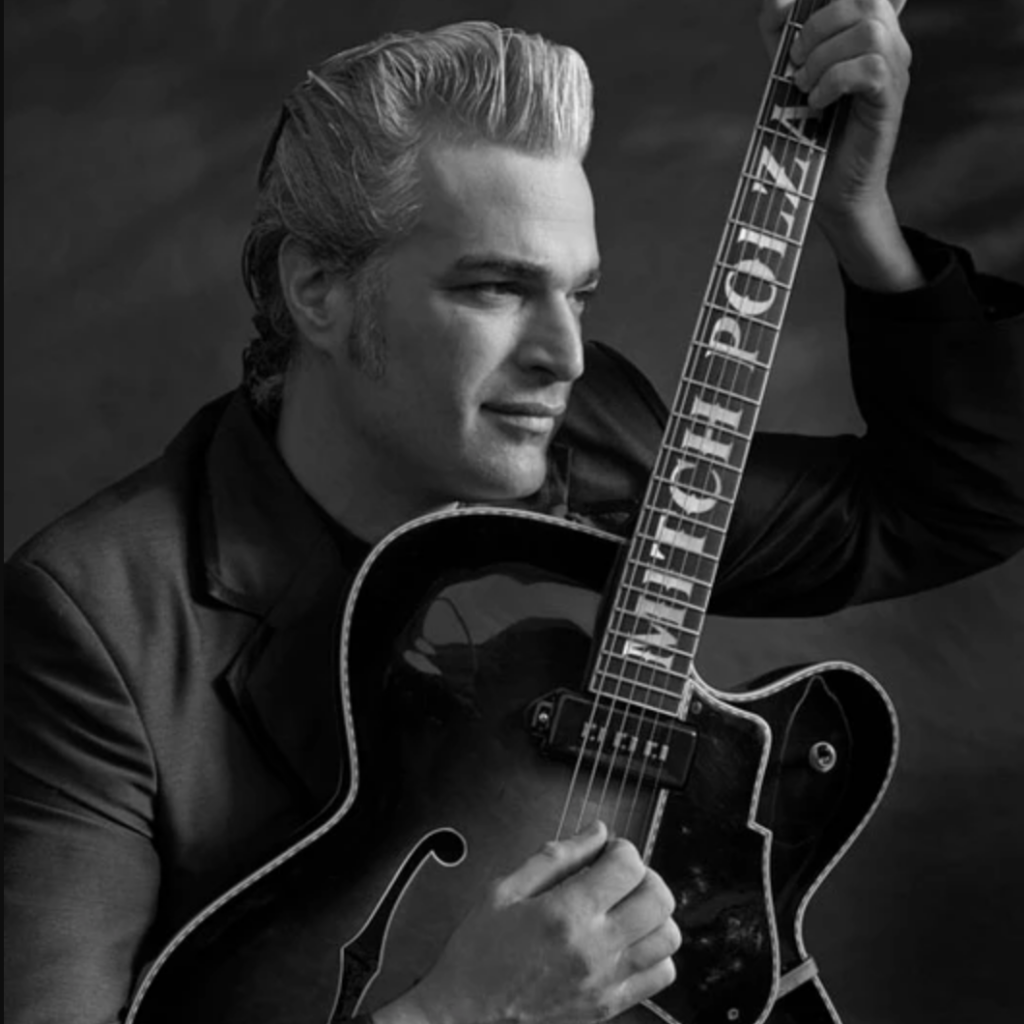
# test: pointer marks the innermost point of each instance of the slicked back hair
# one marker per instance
(340, 172)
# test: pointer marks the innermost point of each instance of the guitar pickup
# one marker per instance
(639, 745)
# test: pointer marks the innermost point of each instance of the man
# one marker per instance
(422, 253)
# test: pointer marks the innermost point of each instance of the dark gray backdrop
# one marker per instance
(132, 132)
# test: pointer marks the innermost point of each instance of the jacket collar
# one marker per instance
(268, 550)
(260, 528)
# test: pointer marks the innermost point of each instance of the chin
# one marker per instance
(509, 481)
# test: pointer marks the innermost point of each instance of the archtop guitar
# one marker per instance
(505, 677)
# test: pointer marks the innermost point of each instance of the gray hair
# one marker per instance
(340, 171)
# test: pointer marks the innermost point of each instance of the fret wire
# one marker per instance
(693, 489)
(670, 445)
(734, 220)
(706, 350)
(719, 389)
(695, 603)
(684, 420)
(697, 609)
(638, 586)
(698, 604)
(681, 451)
(754, 364)
(637, 562)
(657, 674)
(689, 521)
(755, 401)
(674, 673)
(785, 239)
(622, 632)
(771, 184)
(643, 535)
(656, 695)
(744, 316)
(672, 695)
(690, 376)
(692, 452)
(683, 606)
(788, 82)
(709, 425)
(784, 79)
(816, 148)
(671, 448)
(772, 283)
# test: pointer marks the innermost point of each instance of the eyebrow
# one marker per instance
(517, 270)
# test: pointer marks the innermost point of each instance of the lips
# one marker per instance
(532, 409)
(534, 417)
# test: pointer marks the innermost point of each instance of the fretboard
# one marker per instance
(657, 614)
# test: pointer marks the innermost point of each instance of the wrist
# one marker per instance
(870, 246)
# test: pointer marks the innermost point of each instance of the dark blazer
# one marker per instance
(168, 665)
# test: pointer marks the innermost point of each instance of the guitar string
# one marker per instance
(692, 387)
(701, 372)
(729, 376)
(690, 384)
(635, 736)
(779, 84)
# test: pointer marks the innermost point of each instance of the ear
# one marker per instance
(319, 300)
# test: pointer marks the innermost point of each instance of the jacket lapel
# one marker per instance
(268, 551)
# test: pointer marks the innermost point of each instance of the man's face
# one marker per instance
(479, 311)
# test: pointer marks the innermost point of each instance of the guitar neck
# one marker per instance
(658, 611)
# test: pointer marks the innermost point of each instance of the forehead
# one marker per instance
(495, 200)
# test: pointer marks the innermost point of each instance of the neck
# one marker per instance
(348, 482)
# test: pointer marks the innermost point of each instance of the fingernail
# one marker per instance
(796, 53)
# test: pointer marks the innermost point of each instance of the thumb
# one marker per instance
(552, 863)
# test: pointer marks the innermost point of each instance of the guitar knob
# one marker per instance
(823, 757)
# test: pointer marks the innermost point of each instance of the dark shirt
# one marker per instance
(169, 721)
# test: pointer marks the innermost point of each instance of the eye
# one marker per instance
(582, 298)
(493, 291)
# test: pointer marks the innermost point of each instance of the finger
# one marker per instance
(867, 77)
(552, 864)
(863, 39)
(653, 948)
(647, 983)
(644, 910)
(841, 15)
(771, 20)
(612, 876)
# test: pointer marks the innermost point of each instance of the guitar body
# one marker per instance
(459, 638)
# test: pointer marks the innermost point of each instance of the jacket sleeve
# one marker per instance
(933, 491)
(81, 874)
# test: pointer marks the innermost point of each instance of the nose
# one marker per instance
(552, 343)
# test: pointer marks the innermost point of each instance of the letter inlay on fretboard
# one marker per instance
(657, 614)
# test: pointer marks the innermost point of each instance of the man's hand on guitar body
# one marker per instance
(582, 931)
(856, 48)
